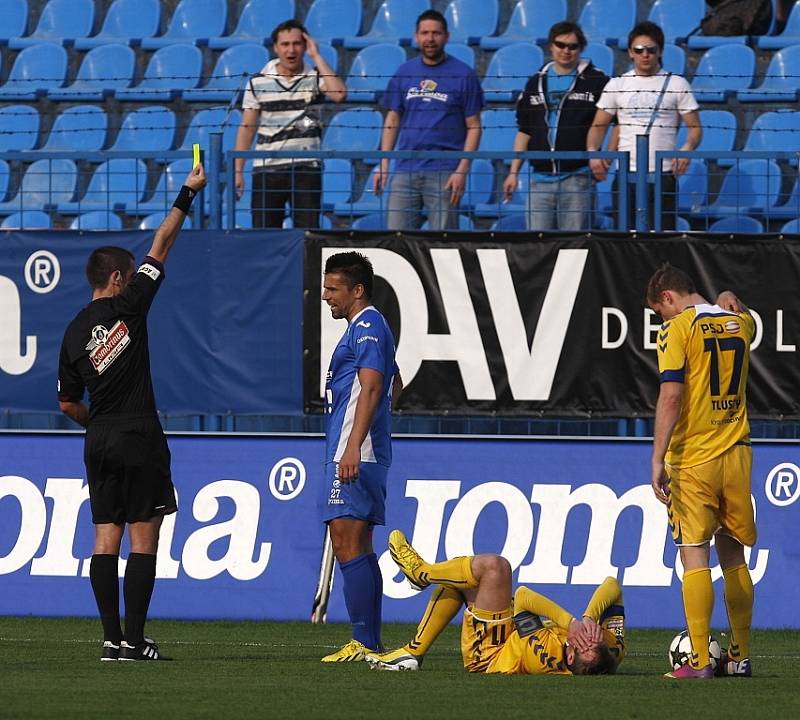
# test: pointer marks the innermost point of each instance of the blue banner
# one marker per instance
(225, 329)
(247, 540)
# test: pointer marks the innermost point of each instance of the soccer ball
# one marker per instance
(680, 650)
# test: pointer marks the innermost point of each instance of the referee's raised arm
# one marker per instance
(168, 230)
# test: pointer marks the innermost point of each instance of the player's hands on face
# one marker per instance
(196, 179)
(595, 631)
(455, 184)
(348, 465)
(660, 483)
(579, 636)
(599, 168)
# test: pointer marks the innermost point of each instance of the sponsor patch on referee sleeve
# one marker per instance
(150, 270)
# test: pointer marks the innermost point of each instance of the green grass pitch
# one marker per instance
(49, 668)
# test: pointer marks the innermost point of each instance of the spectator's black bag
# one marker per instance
(737, 17)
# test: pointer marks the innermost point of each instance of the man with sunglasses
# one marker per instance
(554, 113)
(647, 101)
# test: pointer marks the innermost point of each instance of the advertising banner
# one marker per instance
(552, 325)
(247, 540)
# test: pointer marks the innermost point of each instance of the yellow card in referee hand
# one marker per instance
(195, 155)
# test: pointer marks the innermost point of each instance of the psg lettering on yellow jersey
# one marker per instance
(708, 350)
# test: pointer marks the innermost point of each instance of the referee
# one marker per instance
(125, 451)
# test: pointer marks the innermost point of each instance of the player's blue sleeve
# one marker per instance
(370, 346)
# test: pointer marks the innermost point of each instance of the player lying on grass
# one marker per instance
(501, 635)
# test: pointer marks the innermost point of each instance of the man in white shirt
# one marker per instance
(647, 101)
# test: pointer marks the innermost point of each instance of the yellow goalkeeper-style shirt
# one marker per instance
(708, 350)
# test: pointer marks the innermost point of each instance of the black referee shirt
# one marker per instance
(105, 349)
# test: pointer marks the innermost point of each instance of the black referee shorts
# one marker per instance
(128, 469)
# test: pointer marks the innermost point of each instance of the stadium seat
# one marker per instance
(394, 22)
(371, 71)
(499, 130)
(677, 18)
(167, 187)
(470, 20)
(103, 70)
(329, 53)
(462, 52)
(793, 226)
(604, 193)
(373, 221)
(5, 177)
(604, 21)
(116, 184)
(750, 187)
(97, 220)
(719, 133)
(464, 223)
(27, 220)
(334, 20)
(127, 21)
(192, 21)
(60, 21)
(337, 182)
(682, 224)
(171, 70)
(210, 120)
(356, 129)
(673, 59)
(234, 66)
(19, 127)
(150, 128)
(45, 183)
(153, 221)
(509, 70)
(791, 208)
(722, 71)
(13, 19)
(513, 222)
(366, 203)
(252, 26)
(789, 36)
(693, 187)
(602, 57)
(81, 128)
(480, 183)
(737, 224)
(498, 205)
(778, 130)
(780, 80)
(530, 21)
(35, 70)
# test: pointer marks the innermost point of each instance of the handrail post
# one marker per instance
(214, 170)
(642, 166)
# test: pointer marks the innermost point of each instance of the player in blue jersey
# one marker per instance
(363, 383)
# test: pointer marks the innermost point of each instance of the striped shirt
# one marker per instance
(288, 116)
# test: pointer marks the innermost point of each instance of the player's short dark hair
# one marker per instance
(287, 25)
(432, 15)
(604, 663)
(650, 29)
(565, 27)
(355, 267)
(668, 277)
(104, 261)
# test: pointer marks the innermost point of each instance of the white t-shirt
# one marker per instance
(633, 98)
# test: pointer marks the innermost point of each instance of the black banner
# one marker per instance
(555, 325)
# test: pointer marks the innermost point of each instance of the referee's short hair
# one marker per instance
(104, 261)
(355, 267)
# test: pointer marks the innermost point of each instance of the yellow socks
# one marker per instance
(442, 608)
(455, 573)
(739, 603)
(698, 602)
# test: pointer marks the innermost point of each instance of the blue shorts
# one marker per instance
(363, 499)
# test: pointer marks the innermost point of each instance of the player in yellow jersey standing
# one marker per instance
(702, 457)
(529, 635)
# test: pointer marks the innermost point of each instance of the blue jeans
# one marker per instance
(410, 192)
(561, 205)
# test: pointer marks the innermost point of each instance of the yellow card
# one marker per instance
(195, 155)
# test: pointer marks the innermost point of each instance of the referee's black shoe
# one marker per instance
(146, 650)
(110, 651)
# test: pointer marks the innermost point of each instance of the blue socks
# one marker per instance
(363, 596)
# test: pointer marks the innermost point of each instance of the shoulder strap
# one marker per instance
(658, 103)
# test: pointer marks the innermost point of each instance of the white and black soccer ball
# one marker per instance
(680, 650)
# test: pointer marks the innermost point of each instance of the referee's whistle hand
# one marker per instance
(196, 179)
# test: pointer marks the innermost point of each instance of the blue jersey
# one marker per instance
(434, 101)
(367, 343)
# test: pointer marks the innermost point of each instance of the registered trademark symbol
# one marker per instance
(783, 484)
(42, 271)
(287, 478)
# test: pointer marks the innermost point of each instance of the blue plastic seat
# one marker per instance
(192, 21)
(116, 184)
(19, 127)
(602, 57)
(499, 130)
(234, 66)
(127, 21)
(5, 177)
(328, 52)
(373, 221)
(673, 59)
(210, 120)
(791, 208)
(337, 182)
(470, 20)
(35, 70)
(462, 52)
(737, 224)
(512, 222)
(530, 21)
(722, 71)
(498, 205)
(13, 19)
(750, 187)
(171, 70)
(60, 20)
(371, 71)
(793, 226)
(103, 70)
(509, 70)
(356, 129)
(480, 183)
(97, 220)
(366, 203)
(693, 187)
(780, 80)
(252, 25)
(27, 220)
(604, 21)
(464, 223)
(682, 224)
(334, 20)
(394, 22)
(789, 36)
(719, 133)
(81, 128)
(150, 128)
(677, 18)
(153, 221)
(779, 130)
(45, 184)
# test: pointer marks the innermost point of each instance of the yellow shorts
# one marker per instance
(483, 634)
(711, 497)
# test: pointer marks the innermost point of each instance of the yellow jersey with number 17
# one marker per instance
(708, 350)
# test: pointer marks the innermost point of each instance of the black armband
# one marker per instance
(184, 200)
